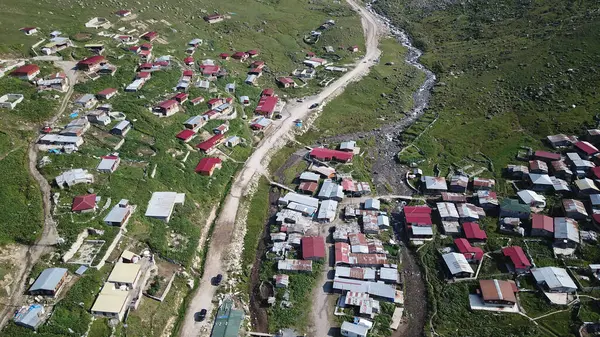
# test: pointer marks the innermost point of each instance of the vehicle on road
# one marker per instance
(217, 279)
(314, 105)
(201, 315)
(300, 100)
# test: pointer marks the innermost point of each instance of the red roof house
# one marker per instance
(253, 53)
(308, 187)
(586, 148)
(150, 36)
(286, 82)
(266, 105)
(210, 144)
(313, 248)
(324, 154)
(546, 156)
(107, 93)
(84, 203)
(188, 60)
(210, 70)
(518, 258)
(471, 253)
(186, 135)
(181, 97)
(207, 166)
(91, 63)
(26, 72)
(353, 49)
(310, 54)
(168, 107)
(29, 30)
(123, 13)
(268, 92)
(417, 215)
(143, 75)
(224, 56)
(473, 232)
(342, 252)
(146, 46)
(240, 55)
(542, 225)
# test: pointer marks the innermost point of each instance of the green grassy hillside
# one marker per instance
(509, 72)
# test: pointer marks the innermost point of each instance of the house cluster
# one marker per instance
(96, 66)
(57, 82)
(119, 292)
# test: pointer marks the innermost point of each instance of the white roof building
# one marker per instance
(310, 176)
(327, 211)
(555, 279)
(330, 190)
(566, 229)
(161, 204)
(435, 183)
(73, 177)
(457, 263)
(447, 210)
(300, 199)
(348, 146)
(531, 198)
(372, 204)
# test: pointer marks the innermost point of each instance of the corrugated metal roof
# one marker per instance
(228, 321)
(566, 229)
(48, 279)
(553, 277)
(457, 263)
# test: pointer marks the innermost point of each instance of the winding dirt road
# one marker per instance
(49, 234)
(256, 165)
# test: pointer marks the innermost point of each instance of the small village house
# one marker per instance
(498, 292)
(472, 254)
(459, 183)
(49, 282)
(194, 123)
(121, 129)
(214, 18)
(566, 233)
(434, 185)
(162, 204)
(149, 36)
(538, 166)
(540, 182)
(574, 209)
(27, 72)
(87, 101)
(353, 330)
(84, 203)
(554, 280)
(207, 166)
(91, 64)
(107, 93)
(123, 13)
(111, 302)
(473, 232)
(240, 56)
(166, 108)
(221, 129)
(30, 316)
(232, 141)
(29, 30)
(324, 154)
(186, 135)
(519, 263)
(210, 145)
(108, 164)
(119, 214)
(542, 225)
(531, 198)
(313, 248)
(488, 200)
(561, 140)
(512, 208)
(457, 265)
(286, 82)
(483, 183)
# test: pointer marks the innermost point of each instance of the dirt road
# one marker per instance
(257, 163)
(49, 234)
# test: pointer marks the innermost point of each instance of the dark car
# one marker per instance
(314, 105)
(201, 315)
(217, 279)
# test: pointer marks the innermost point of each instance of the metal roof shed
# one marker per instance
(457, 263)
(350, 329)
(48, 280)
(556, 279)
(227, 321)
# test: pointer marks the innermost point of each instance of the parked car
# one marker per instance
(217, 279)
(201, 315)
(314, 105)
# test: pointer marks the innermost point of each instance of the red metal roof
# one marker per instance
(322, 153)
(188, 72)
(596, 172)
(198, 99)
(168, 104)
(266, 105)
(418, 219)
(209, 69)
(143, 75)
(122, 12)
(181, 96)
(285, 80)
(472, 231)
(107, 91)
(150, 36)
(207, 164)
(464, 247)
(223, 55)
(214, 101)
(83, 202)
(252, 52)
(547, 155)
(517, 256)
(146, 46)
(210, 143)
(186, 134)
(268, 92)
(586, 147)
(313, 247)
(27, 69)
(239, 55)
(417, 209)
(308, 186)
(188, 60)
(146, 66)
(541, 221)
(92, 60)
(342, 251)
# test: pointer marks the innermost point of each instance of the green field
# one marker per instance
(509, 73)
